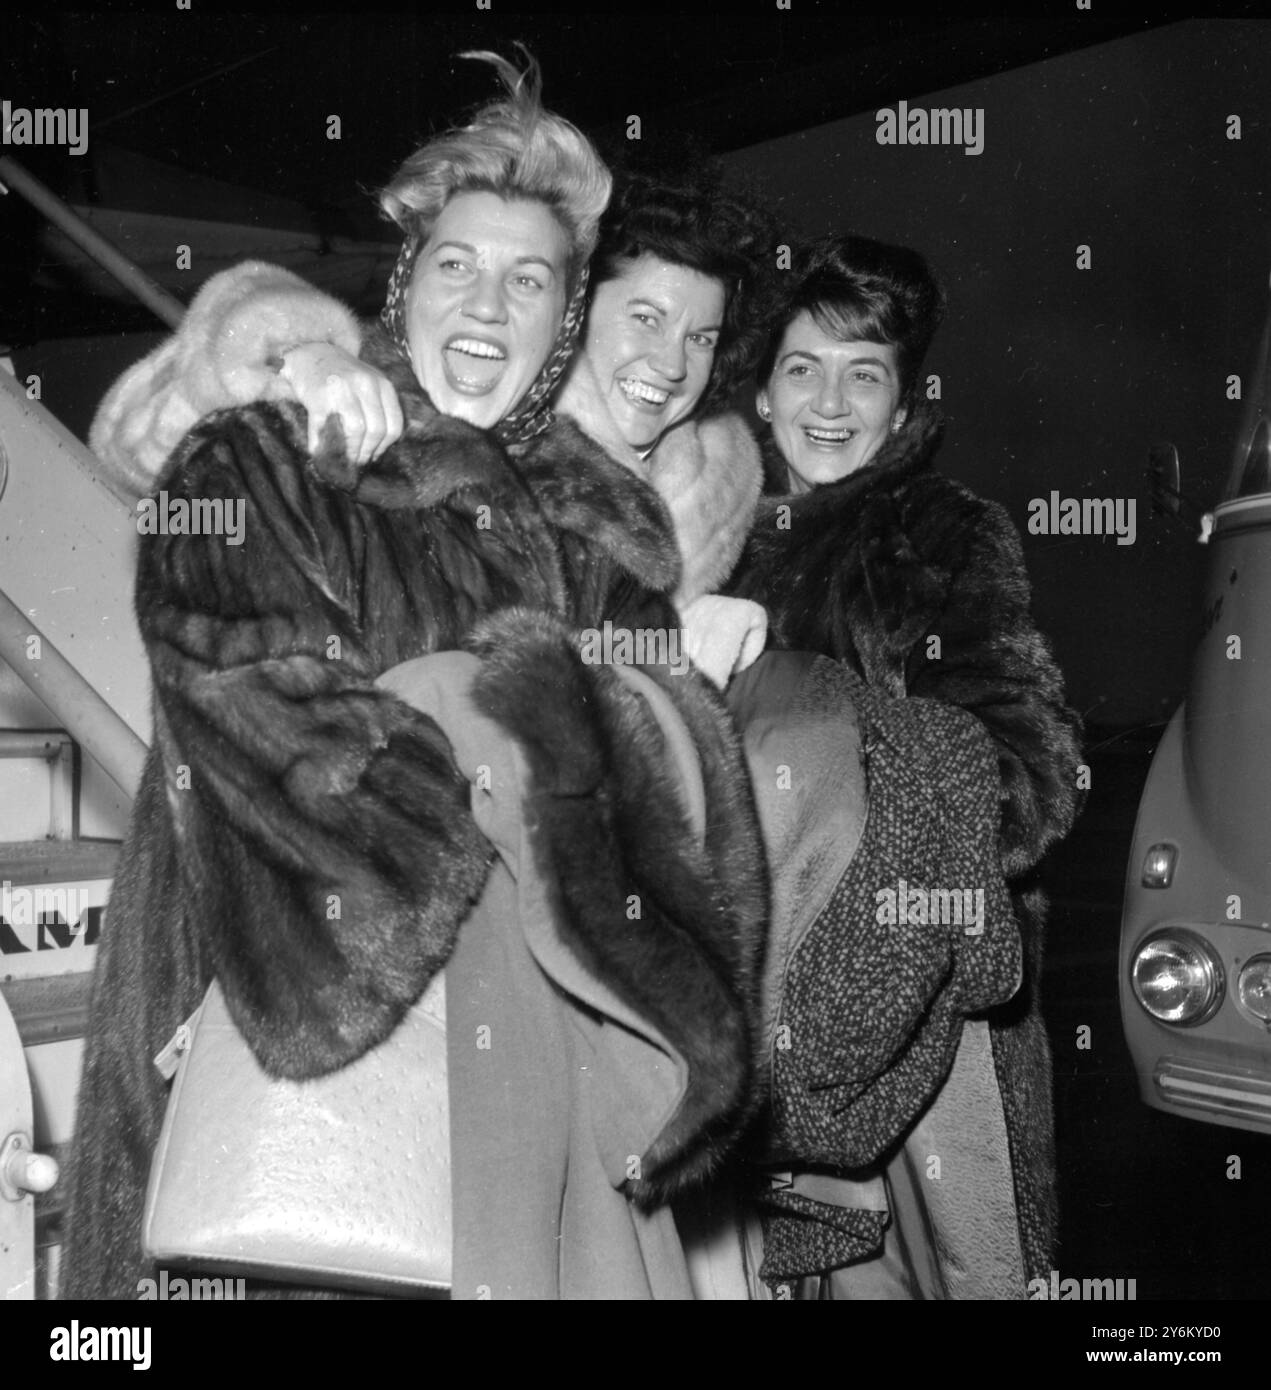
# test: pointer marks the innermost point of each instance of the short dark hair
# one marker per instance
(698, 226)
(856, 288)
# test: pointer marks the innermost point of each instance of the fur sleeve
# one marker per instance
(220, 356)
(709, 475)
(994, 662)
(613, 828)
(325, 833)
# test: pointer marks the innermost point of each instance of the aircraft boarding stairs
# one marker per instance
(74, 714)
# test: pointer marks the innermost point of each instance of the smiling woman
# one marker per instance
(832, 403)
(840, 373)
(651, 337)
(682, 287)
(868, 556)
(484, 303)
(399, 761)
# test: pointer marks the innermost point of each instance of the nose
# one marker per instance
(670, 360)
(485, 301)
(831, 399)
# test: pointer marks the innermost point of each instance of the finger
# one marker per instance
(318, 419)
(354, 433)
(394, 420)
(345, 403)
(334, 400)
(365, 401)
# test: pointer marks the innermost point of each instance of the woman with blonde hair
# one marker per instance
(304, 754)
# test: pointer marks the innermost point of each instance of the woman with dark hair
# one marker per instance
(850, 291)
(681, 288)
(379, 688)
(916, 588)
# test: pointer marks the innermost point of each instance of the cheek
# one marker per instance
(539, 334)
(552, 316)
(784, 400)
(881, 410)
(702, 376)
(608, 348)
(421, 312)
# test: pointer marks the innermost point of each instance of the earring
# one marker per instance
(764, 413)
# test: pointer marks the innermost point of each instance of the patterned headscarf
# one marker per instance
(531, 415)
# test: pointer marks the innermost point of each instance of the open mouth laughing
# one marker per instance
(641, 394)
(474, 366)
(828, 439)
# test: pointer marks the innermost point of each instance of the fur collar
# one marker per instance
(708, 472)
(585, 492)
(834, 567)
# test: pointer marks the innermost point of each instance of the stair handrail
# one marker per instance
(14, 177)
(85, 713)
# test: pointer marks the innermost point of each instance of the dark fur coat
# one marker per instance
(871, 569)
(280, 780)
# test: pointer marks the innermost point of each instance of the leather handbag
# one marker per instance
(343, 1180)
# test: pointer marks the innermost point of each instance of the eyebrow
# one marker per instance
(855, 361)
(474, 253)
(641, 301)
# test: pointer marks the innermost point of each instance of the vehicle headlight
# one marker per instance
(1253, 987)
(1177, 977)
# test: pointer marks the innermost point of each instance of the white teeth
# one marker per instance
(641, 391)
(829, 436)
(475, 348)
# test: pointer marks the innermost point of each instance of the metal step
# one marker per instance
(57, 861)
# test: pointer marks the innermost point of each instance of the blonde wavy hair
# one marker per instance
(513, 148)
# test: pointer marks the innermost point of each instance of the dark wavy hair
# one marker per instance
(856, 288)
(698, 226)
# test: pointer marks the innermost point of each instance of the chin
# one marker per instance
(637, 433)
(479, 411)
(640, 439)
(816, 472)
